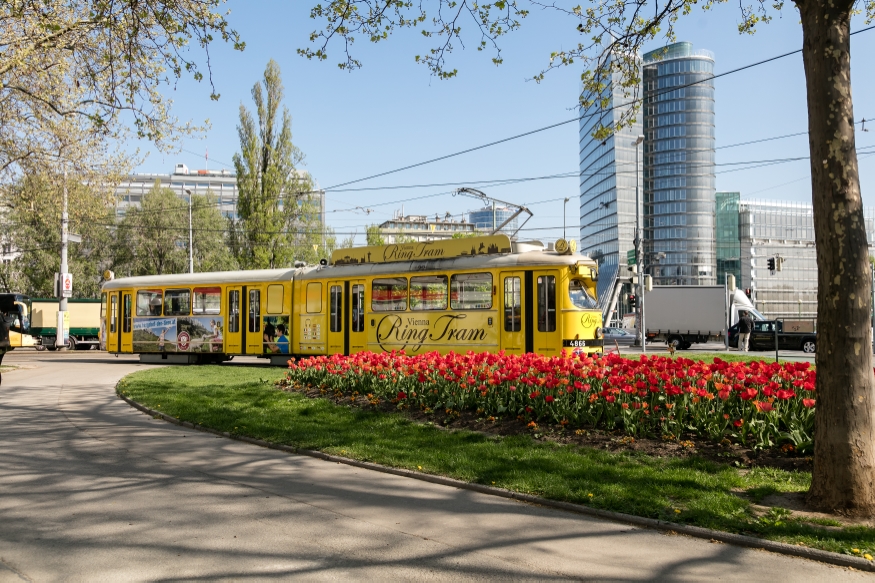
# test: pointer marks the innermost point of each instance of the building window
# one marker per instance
(207, 300)
(471, 291)
(234, 311)
(358, 308)
(389, 294)
(335, 308)
(546, 303)
(513, 321)
(254, 310)
(314, 298)
(177, 302)
(428, 292)
(275, 299)
(149, 302)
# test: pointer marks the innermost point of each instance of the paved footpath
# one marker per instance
(91, 489)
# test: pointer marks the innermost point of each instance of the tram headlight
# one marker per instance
(599, 333)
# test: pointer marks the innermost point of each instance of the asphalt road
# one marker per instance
(91, 489)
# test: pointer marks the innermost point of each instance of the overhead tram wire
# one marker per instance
(574, 119)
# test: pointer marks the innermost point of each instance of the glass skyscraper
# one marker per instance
(607, 185)
(679, 181)
(727, 239)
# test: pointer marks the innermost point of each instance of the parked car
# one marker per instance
(792, 335)
(618, 335)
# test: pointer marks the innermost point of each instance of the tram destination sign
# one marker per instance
(423, 250)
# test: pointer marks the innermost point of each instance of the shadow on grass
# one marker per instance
(687, 490)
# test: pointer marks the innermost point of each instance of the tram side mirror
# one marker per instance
(323, 262)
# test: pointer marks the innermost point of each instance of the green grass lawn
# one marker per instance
(243, 400)
(731, 356)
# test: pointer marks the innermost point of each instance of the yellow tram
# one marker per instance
(480, 293)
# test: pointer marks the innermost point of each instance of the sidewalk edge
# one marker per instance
(651, 523)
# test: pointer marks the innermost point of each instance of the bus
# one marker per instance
(14, 322)
(483, 294)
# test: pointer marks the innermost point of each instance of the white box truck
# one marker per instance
(682, 315)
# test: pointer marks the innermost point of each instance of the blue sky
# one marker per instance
(392, 113)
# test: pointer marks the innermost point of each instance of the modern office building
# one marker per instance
(608, 174)
(423, 228)
(766, 229)
(486, 219)
(222, 184)
(727, 241)
(679, 181)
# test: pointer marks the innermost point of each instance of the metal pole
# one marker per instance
(564, 213)
(639, 255)
(62, 301)
(190, 252)
(494, 223)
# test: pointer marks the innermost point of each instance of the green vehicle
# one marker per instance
(84, 323)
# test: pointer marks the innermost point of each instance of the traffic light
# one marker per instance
(747, 293)
(633, 301)
(771, 263)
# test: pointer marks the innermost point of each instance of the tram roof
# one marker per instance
(206, 278)
(528, 259)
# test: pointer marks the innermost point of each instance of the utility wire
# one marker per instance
(574, 119)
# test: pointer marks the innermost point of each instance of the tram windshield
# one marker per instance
(580, 295)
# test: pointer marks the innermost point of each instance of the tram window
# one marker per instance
(234, 311)
(149, 302)
(513, 318)
(314, 298)
(207, 300)
(126, 313)
(254, 310)
(275, 299)
(547, 303)
(389, 294)
(358, 308)
(471, 291)
(428, 292)
(580, 296)
(177, 302)
(113, 312)
(335, 308)
(103, 306)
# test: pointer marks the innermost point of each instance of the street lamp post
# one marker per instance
(564, 206)
(639, 255)
(190, 253)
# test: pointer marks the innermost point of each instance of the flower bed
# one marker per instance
(757, 404)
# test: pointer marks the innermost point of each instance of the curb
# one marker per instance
(740, 540)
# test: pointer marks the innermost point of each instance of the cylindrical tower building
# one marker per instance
(679, 182)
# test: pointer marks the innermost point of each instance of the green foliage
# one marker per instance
(374, 236)
(153, 238)
(33, 223)
(279, 212)
(76, 74)
(682, 490)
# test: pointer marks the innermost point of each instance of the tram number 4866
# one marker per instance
(576, 343)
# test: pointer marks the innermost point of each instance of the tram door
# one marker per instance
(336, 329)
(512, 332)
(127, 323)
(112, 323)
(547, 335)
(254, 335)
(233, 332)
(358, 336)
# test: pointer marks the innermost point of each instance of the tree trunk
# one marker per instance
(844, 438)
